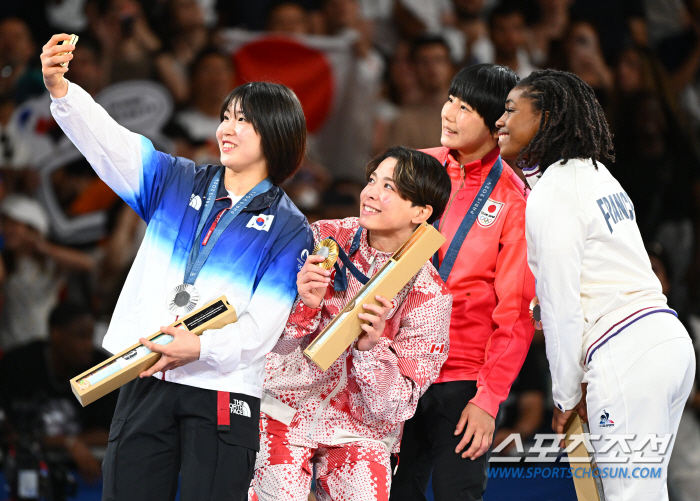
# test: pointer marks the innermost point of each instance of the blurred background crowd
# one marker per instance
(370, 74)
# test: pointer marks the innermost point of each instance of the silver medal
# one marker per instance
(183, 299)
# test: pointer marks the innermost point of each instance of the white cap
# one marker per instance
(26, 210)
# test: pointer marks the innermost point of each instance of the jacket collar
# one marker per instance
(484, 164)
(532, 175)
(262, 201)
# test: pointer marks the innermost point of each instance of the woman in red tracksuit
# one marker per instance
(348, 420)
(492, 286)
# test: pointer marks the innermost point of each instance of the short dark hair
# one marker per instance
(572, 122)
(418, 177)
(485, 88)
(203, 54)
(426, 40)
(505, 10)
(276, 114)
(65, 313)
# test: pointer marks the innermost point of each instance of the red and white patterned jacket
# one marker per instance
(364, 395)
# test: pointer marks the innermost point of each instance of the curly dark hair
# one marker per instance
(572, 122)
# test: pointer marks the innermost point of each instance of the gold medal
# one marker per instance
(329, 250)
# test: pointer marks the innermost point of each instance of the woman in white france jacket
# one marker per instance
(605, 320)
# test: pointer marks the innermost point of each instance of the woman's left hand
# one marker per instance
(377, 320)
(182, 350)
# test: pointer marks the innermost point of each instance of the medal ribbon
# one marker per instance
(479, 201)
(198, 257)
(341, 277)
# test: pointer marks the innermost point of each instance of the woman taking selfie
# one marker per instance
(212, 230)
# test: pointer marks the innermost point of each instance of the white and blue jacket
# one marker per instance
(254, 263)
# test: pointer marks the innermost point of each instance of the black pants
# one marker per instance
(428, 447)
(164, 431)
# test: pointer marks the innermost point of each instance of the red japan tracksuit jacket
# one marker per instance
(364, 395)
(491, 283)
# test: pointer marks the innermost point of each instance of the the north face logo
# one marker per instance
(239, 407)
(195, 202)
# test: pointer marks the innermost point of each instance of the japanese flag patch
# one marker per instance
(260, 222)
(488, 214)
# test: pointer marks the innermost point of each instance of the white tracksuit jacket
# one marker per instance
(593, 274)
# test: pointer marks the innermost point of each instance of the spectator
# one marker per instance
(681, 57)
(32, 273)
(185, 37)
(551, 27)
(658, 169)
(126, 37)
(342, 19)
(581, 55)
(508, 34)
(289, 18)
(211, 79)
(399, 88)
(416, 126)
(417, 18)
(17, 51)
(620, 23)
(638, 71)
(34, 378)
(471, 22)
(254, 16)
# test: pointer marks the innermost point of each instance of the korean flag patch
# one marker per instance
(488, 214)
(260, 222)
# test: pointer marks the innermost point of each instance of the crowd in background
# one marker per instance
(67, 241)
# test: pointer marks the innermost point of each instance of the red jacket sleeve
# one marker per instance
(512, 335)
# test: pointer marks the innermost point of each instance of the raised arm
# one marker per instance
(126, 161)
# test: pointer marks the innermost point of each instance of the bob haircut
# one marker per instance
(485, 88)
(276, 114)
(419, 178)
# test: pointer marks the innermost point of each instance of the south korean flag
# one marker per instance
(261, 222)
(488, 214)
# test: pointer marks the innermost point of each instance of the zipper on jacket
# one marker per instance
(327, 400)
(449, 205)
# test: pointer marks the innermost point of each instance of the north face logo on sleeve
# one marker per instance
(260, 222)
(239, 407)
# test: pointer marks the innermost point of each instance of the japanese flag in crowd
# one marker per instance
(336, 89)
